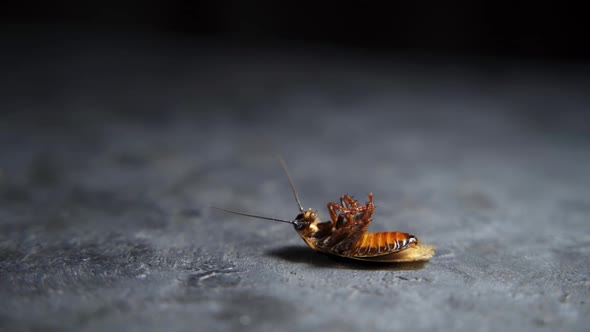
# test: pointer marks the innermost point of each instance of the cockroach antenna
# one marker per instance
(284, 165)
(253, 215)
(293, 190)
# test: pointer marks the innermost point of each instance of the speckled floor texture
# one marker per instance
(112, 155)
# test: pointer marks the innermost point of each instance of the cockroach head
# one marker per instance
(305, 218)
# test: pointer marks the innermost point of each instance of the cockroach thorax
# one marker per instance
(306, 221)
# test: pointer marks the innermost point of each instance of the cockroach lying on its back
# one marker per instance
(346, 233)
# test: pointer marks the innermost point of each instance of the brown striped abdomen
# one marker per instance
(382, 243)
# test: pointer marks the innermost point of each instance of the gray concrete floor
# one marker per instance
(110, 158)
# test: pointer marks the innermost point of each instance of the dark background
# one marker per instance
(534, 31)
(121, 122)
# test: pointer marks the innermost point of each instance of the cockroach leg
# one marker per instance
(349, 202)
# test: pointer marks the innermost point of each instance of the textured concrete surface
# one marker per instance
(110, 157)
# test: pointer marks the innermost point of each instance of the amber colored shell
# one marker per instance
(418, 253)
(381, 243)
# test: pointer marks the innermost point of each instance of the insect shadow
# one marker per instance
(302, 255)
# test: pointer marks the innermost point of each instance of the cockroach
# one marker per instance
(345, 234)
